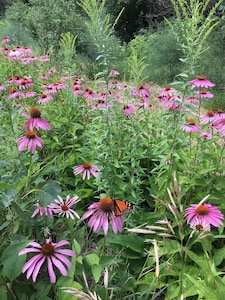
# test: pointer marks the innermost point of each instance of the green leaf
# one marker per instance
(18, 210)
(132, 242)
(12, 263)
(3, 293)
(219, 256)
(203, 290)
(96, 272)
(49, 193)
(4, 185)
(92, 259)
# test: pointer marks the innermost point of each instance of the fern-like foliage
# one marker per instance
(67, 45)
(100, 28)
(192, 28)
(137, 62)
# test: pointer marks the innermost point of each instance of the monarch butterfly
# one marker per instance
(119, 207)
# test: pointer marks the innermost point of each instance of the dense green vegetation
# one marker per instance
(40, 24)
(94, 115)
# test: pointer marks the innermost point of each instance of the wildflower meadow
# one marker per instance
(111, 188)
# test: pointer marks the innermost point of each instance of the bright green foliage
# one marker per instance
(137, 62)
(101, 30)
(192, 29)
(68, 48)
(144, 156)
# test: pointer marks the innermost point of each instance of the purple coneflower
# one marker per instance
(190, 126)
(5, 40)
(206, 213)
(206, 135)
(204, 94)
(220, 114)
(36, 121)
(44, 98)
(64, 207)
(42, 211)
(102, 212)
(87, 170)
(29, 141)
(29, 94)
(129, 110)
(167, 91)
(114, 72)
(50, 252)
(201, 81)
(44, 58)
(208, 117)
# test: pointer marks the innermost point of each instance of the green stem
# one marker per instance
(103, 246)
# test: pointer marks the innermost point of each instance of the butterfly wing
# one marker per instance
(120, 207)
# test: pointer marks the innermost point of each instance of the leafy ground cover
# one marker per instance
(109, 190)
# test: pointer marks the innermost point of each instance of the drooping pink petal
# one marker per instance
(30, 264)
(64, 259)
(59, 265)
(37, 269)
(51, 272)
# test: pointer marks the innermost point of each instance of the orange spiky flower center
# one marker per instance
(106, 204)
(202, 210)
(86, 165)
(210, 113)
(47, 249)
(30, 134)
(190, 122)
(35, 112)
(201, 77)
(64, 207)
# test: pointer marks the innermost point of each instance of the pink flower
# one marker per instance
(102, 212)
(44, 98)
(192, 100)
(129, 110)
(42, 211)
(25, 83)
(207, 213)
(206, 135)
(200, 226)
(30, 141)
(201, 81)
(51, 253)
(29, 94)
(5, 40)
(89, 94)
(219, 114)
(77, 90)
(167, 91)
(88, 169)
(36, 121)
(114, 72)
(44, 58)
(64, 208)
(204, 94)
(208, 117)
(190, 126)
